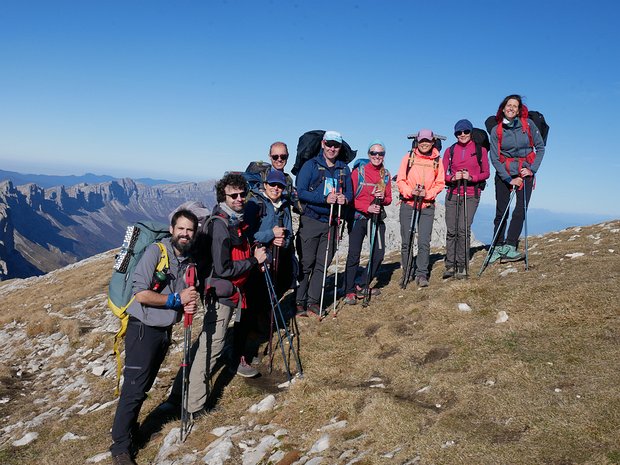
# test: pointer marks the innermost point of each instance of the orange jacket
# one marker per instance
(424, 170)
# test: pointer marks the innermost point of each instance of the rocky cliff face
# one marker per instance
(44, 229)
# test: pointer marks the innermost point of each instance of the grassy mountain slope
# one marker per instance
(411, 374)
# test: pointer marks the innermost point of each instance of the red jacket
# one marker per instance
(372, 179)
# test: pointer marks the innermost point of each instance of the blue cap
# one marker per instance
(376, 142)
(276, 177)
(463, 125)
(333, 135)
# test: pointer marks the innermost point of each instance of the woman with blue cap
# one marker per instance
(372, 187)
(467, 168)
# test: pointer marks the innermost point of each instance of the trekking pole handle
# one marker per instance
(190, 280)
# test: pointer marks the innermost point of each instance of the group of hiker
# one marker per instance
(247, 255)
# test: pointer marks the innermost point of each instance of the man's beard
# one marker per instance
(185, 248)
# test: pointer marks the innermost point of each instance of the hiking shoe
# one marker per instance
(498, 252)
(300, 310)
(314, 310)
(361, 291)
(461, 274)
(448, 273)
(511, 254)
(123, 459)
(421, 281)
(246, 370)
(350, 299)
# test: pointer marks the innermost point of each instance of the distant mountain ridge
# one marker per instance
(42, 229)
(47, 180)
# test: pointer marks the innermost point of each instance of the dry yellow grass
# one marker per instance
(458, 388)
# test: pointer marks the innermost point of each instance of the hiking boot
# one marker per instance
(461, 274)
(511, 254)
(246, 370)
(421, 281)
(350, 299)
(300, 310)
(498, 252)
(448, 273)
(361, 291)
(123, 459)
(314, 310)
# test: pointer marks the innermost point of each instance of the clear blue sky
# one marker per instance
(185, 90)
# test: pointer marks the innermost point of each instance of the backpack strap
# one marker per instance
(162, 265)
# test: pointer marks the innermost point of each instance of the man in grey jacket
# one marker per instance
(151, 316)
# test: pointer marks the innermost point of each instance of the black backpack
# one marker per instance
(309, 145)
(537, 117)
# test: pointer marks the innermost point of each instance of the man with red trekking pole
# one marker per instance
(152, 314)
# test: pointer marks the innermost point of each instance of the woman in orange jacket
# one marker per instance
(420, 179)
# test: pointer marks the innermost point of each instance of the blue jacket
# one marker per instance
(311, 185)
(261, 216)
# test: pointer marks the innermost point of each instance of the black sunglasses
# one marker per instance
(275, 184)
(466, 132)
(376, 154)
(332, 144)
(234, 196)
(281, 157)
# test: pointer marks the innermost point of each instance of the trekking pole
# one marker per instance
(329, 233)
(525, 225)
(276, 262)
(467, 231)
(338, 236)
(493, 242)
(373, 236)
(459, 183)
(279, 317)
(336, 254)
(190, 280)
(417, 203)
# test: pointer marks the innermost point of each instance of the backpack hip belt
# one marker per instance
(508, 160)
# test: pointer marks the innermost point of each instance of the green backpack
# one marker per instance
(120, 294)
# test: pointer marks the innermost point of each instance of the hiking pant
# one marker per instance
(145, 349)
(313, 238)
(456, 246)
(356, 240)
(208, 348)
(502, 196)
(424, 229)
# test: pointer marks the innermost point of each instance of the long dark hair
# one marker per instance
(500, 110)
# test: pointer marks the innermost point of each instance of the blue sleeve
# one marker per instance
(306, 177)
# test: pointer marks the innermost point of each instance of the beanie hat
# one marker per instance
(376, 142)
(463, 125)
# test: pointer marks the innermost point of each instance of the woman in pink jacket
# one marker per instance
(467, 169)
(420, 177)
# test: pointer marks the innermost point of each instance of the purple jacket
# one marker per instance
(465, 158)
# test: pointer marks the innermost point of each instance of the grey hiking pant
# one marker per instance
(424, 229)
(456, 245)
(313, 239)
(207, 350)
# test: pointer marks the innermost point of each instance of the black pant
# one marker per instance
(145, 349)
(502, 197)
(356, 241)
